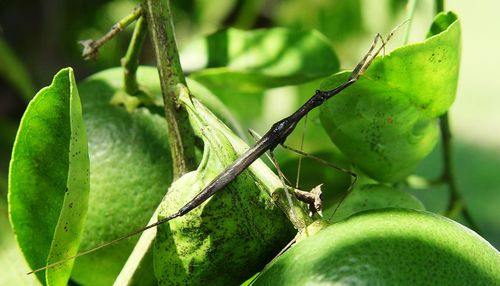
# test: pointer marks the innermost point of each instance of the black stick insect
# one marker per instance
(276, 135)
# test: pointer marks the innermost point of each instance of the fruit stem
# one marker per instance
(130, 61)
(181, 136)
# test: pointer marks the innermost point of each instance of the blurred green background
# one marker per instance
(38, 38)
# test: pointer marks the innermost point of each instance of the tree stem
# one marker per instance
(181, 136)
(130, 61)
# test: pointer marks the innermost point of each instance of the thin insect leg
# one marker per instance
(371, 56)
(329, 164)
(285, 186)
(256, 137)
(360, 67)
(367, 63)
(384, 43)
(343, 197)
(312, 198)
(299, 165)
(289, 244)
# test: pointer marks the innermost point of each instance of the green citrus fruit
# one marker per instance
(231, 235)
(388, 247)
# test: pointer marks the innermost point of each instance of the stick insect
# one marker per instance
(275, 136)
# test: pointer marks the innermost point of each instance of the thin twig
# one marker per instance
(91, 47)
(456, 204)
(130, 61)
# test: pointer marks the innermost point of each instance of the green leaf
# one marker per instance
(441, 23)
(388, 247)
(49, 179)
(14, 72)
(251, 61)
(386, 122)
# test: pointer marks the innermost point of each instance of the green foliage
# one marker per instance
(384, 126)
(390, 113)
(15, 72)
(251, 61)
(239, 66)
(49, 178)
(388, 247)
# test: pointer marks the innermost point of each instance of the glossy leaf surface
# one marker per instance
(251, 61)
(49, 178)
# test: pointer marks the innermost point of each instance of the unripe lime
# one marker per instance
(232, 234)
(389, 247)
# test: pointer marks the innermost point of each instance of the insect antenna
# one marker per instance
(133, 233)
